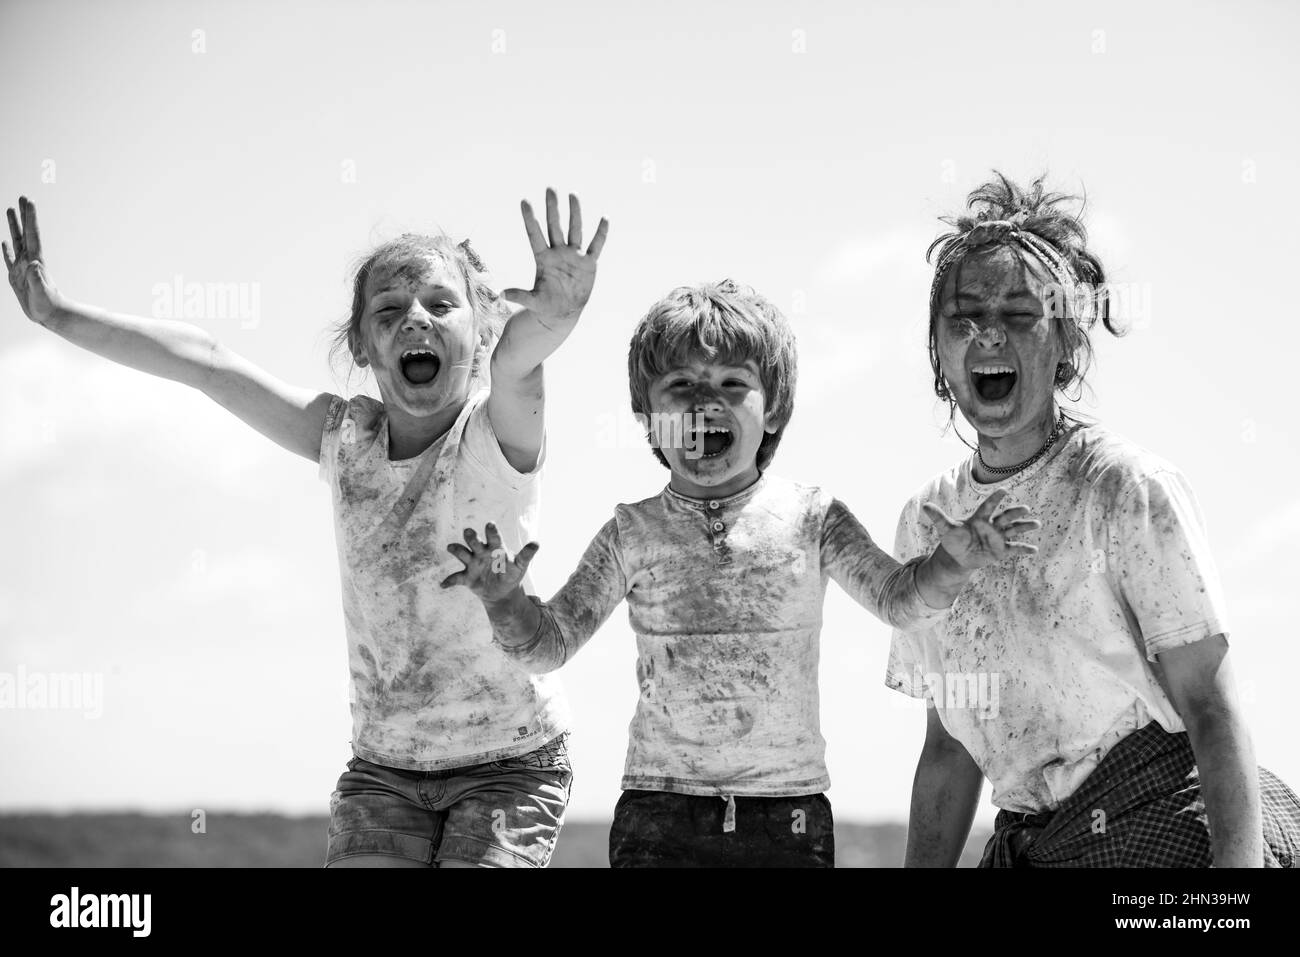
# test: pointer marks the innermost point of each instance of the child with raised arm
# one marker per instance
(460, 757)
(725, 573)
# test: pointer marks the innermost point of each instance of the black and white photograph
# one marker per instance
(723, 436)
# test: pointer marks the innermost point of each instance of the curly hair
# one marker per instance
(1049, 217)
(717, 322)
(490, 311)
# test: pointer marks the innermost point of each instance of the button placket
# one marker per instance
(718, 533)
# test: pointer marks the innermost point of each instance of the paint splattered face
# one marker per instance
(419, 334)
(710, 419)
(998, 345)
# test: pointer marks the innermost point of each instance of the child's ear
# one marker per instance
(357, 346)
(770, 425)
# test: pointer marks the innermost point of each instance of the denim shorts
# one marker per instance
(504, 813)
(662, 829)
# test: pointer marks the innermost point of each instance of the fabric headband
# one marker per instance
(1007, 232)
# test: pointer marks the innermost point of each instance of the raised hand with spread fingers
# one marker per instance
(547, 313)
(25, 264)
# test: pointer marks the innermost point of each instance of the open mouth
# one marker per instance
(993, 383)
(713, 440)
(420, 366)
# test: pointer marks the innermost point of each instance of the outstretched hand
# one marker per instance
(26, 266)
(984, 539)
(489, 572)
(565, 274)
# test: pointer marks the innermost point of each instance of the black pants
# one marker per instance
(662, 829)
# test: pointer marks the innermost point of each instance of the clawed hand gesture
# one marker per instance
(489, 572)
(983, 538)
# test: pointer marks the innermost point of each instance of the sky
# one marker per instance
(152, 540)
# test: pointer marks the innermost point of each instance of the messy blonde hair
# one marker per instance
(717, 322)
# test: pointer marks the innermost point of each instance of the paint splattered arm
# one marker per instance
(869, 574)
(586, 601)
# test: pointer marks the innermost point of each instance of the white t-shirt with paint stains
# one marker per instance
(725, 598)
(431, 689)
(1046, 661)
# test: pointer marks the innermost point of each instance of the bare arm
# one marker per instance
(549, 312)
(291, 417)
(945, 794)
(1200, 683)
(1161, 560)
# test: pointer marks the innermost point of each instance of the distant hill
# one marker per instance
(273, 840)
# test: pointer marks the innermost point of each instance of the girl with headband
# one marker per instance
(1117, 738)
